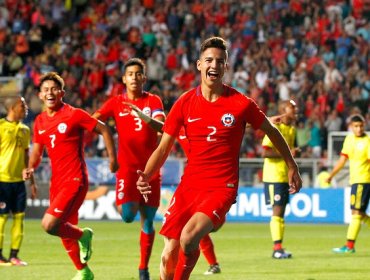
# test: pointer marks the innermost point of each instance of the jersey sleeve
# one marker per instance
(175, 119)
(27, 138)
(106, 110)
(255, 116)
(157, 107)
(266, 142)
(36, 136)
(346, 147)
(85, 120)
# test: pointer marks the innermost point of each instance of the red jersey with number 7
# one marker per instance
(62, 135)
(214, 131)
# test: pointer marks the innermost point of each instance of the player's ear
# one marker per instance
(124, 79)
(198, 65)
(226, 66)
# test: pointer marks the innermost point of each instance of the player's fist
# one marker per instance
(27, 173)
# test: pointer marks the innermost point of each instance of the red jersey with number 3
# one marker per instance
(136, 140)
(62, 135)
(214, 131)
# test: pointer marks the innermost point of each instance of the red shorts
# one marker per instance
(186, 202)
(126, 190)
(66, 200)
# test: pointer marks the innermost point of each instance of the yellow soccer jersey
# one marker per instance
(14, 141)
(357, 149)
(275, 170)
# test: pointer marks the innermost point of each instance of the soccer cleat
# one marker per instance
(281, 254)
(4, 262)
(17, 262)
(85, 244)
(213, 269)
(144, 274)
(343, 250)
(84, 274)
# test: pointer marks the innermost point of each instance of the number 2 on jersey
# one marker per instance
(213, 132)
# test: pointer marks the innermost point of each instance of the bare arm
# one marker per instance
(340, 163)
(33, 162)
(154, 163)
(102, 129)
(295, 180)
(155, 124)
(33, 185)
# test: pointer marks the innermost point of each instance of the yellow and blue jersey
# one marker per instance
(357, 150)
(275, 170)
(14, 143)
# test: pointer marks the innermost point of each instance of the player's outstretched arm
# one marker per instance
(102, 129)
(295, 180)
(155, 124)
(154, 163)
(339, 165)
(33, 184)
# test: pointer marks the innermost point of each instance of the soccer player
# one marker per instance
(275, 176)
(214, 117)
(356, 149)
(136, 141)
(60, 129)
(206, 244)
(14, 145)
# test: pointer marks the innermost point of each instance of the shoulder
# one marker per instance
(152, 96)
(189, 94)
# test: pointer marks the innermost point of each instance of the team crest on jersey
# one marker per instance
(228, 120)
(147, 111)
(62, 127)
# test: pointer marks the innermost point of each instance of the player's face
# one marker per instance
(212, 66)
(134, 79)
(20, 109)
(358, 128)
(51, 94)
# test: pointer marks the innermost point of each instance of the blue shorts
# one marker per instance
(360, 195)
(12, 197)
(276, 194)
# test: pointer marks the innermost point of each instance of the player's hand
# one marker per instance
(113, 166)
(133, 107)
(295, 180)
(277, 119)
(33, 191)
(143, 186)
(27, 173)
(295, 152)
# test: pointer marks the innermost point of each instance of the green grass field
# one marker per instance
(243, 250)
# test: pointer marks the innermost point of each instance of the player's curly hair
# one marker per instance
(214, 42)
(53, 76)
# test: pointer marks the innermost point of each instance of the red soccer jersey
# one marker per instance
(214, 131)
(62, 134)
(136, 140)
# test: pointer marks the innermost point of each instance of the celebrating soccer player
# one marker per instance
(356, 149)
(214, 117)
(60, 129)
(136, 142)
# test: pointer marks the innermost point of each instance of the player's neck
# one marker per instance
(52, 111)
(12, 118)
(133, 95)
(212, 93)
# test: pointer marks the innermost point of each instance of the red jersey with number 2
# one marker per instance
(214, 131)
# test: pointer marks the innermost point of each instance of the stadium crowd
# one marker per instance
(313, 52)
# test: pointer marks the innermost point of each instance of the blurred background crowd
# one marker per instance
(313, 52)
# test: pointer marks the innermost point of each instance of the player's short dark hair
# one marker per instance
(134, 61)
(53, 76)
(214, 42)
(357, 118)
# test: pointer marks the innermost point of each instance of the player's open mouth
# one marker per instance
(212, 75)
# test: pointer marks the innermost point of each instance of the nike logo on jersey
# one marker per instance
(182, 137)
(41, 131)
(123, 114)
(56, 210)
(215, 213)
(193, 120)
